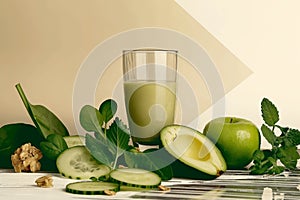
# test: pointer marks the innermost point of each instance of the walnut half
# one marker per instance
(45, 181)
(26, 158)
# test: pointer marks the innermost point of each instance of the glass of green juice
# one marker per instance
(150, 92)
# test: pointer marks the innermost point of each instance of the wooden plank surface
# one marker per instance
(231, 185)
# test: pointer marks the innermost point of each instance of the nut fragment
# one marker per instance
(44, 181)
(109, 192)
(164, 188)
(26, 158)
(122, 166)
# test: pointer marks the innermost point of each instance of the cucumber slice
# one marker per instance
(135, 178)
(77, 163)
(74, 140)
(133, 189)
(91, 187)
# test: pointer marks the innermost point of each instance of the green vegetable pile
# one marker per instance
(284, 144)
(108, 140)
(110, 144)
(46, 134)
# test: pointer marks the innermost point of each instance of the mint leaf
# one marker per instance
(269, 112)
(288, 156)
(276, 170)
(91, 119)
(258, 156)
(268, 134)
(262, 160)
(261, 168)
(292, 137)
(283, 130)
(107, 109)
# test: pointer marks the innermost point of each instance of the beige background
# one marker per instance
(44, 42)
(265, 35)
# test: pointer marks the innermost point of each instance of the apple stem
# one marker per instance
(231, 120)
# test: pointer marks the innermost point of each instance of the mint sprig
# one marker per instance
(284, 144)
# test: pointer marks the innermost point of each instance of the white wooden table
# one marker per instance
(231, 185)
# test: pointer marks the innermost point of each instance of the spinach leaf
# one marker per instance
(12, 136)
(53, 146)
(49, 150)
(45, 121)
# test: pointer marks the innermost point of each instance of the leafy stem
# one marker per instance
(284, 146)
(109, 142)
(273, 129)
(45, 121)
(23, 97)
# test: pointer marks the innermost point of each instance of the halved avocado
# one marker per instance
(197, 156)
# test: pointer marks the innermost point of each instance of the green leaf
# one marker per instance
(288, 156)
(150, 160)
(292, 138)
(99, 150)
(283, 130)
(100, 136)
(258, 156)
(91, 119)
(108, 145)
(49, 150)
(53, 146)
(107, 109)
(260, 168)
(268, 134)
(45, 121)
(58, 141)
(276, 170)
(269, 112)
(12, 136)
(119, 137)
(118, 134)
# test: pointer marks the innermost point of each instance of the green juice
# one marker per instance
(150, 105)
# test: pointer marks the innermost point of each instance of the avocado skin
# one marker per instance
(181, 170)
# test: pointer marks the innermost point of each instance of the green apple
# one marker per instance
(236, 138)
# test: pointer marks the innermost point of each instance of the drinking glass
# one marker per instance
(150, 92)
